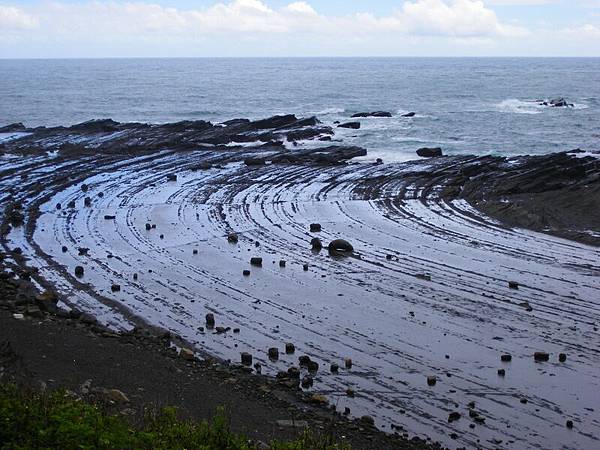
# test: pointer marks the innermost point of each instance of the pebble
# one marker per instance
(431, 380)
(290, 348)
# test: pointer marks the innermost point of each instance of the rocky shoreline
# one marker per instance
(95, 212)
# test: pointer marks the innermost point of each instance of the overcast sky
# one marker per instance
(95, 28)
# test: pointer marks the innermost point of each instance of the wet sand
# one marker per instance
(426, 292)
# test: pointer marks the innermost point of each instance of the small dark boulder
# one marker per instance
(210, 320)
(315, 227)
(351, 125)
(316, 244)
(340, 247)
(373, 114)
(79, 271)
(429, 152)
(246, 359)
(273, 353)
(171, 177)
(410, 114)
(256, 261)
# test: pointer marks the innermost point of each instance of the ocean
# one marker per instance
(464, 105)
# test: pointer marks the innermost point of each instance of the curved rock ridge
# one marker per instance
(412, 327)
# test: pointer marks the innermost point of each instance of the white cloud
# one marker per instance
(229, 27)
(13, 18)
(427, 17)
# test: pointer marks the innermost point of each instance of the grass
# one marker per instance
(59, 420)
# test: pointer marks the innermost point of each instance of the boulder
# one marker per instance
(410, 114)
(316, 244)
(79, 271)
(232, 238)
(256, 261)
(340, 247)
(315, 227)
(351, 125)
(429, 152)
(246, 359)
(273, 353)
(187, 354)
(210, 320)
(453, 416)
(290, 348)
(115, 395)
(171, 177)
(541, 356)
(307, 381)
(431, 380)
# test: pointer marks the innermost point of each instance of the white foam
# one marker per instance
(5, 137)
(328, 111)
(513, 105)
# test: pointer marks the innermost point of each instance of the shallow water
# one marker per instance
(397, 327)
(465, 105)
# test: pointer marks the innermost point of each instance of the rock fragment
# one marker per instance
(273, 353)
(246, 359)
(351, 125)
(429, 152)
(315, 227)
(340, 247)
(256, 261)
(210, 320)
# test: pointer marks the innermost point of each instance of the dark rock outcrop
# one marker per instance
(429, 152)
(373, 114)
(351, 125)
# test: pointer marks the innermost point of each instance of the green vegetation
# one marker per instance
(59, 420)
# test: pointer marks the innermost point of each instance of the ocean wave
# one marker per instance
(513, 105)
(327, 111)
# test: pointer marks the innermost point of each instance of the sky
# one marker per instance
(257, 28)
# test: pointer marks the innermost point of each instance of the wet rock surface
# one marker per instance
(400, 319)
